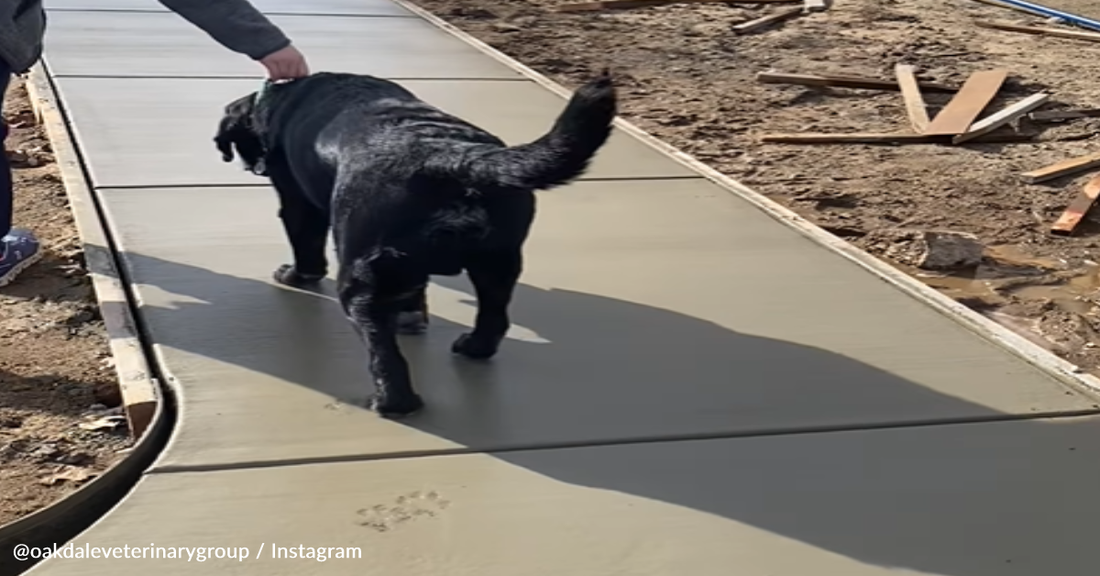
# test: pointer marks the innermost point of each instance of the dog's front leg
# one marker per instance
(306, 229)
(376, 323)
(494, 277)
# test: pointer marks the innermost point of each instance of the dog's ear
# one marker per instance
(224, 139)
(237, 137)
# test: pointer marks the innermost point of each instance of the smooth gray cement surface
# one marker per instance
(649, 309)
(305, 7)
(1004, 499)
(165, 135)
(83, 43)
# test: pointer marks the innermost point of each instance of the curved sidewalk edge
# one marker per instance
(998, 334)
(144, 403)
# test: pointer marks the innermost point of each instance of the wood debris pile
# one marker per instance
(963, 120)
(746, 27)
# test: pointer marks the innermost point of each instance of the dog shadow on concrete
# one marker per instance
(964, 499)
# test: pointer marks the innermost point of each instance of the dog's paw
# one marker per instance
(395, 406)
(288, 276)
(475, 348)
(412, 322)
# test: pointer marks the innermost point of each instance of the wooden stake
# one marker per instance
(1003, 117)
(843, 82)
(1074, 34)
(1059, 115)
(914, 102)
(1077, 209)
(1063, 168)
(765, 21)
(978, 91)
(628, 4)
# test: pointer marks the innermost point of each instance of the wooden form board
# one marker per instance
(852, 138)
(914, 102)
(1077, 209)
(1005, 116)
(843, 82)
(765, 21)
(628, 4)
(974, 96)
(1055, 32)
(1063, 168)
(880, 138)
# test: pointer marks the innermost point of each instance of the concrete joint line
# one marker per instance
(812, 430)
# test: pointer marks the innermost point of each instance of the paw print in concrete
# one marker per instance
(412, 506)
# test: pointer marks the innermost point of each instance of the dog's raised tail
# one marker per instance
(559, 156)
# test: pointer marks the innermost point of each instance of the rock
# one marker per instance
(108, 394)
(46, 451)
(928, 249)
(942, 250)
(104, 423)
(69, 474)
(75, 458)
(31, 158)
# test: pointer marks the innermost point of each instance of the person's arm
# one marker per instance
(240, 27)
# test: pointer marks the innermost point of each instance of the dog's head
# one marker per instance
(237, 133)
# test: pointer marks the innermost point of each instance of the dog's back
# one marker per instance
(446, 185)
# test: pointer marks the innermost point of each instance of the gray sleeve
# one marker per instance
(235, 24)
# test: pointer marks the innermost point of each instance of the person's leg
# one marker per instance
(5, 167)
(18, 248)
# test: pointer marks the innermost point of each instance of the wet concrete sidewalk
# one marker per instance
(692, 386)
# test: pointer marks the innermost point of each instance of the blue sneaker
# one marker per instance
(18, 250)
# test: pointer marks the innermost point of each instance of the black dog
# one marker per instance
(409, 191)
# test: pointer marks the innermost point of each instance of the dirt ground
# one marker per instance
(687, 78)
(60, 421)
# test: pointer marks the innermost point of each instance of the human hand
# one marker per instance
(285, 64)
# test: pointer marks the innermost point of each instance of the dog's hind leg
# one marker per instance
(412, 315)
(494, 277)
(374, 313)
(306, 228)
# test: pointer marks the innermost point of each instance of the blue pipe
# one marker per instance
(1052, 13)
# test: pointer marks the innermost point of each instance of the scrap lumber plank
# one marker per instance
(1055, 32)
(1006, 115)
(1059, 115)
(765, 21)
(880, 138)
(843, 82)
(628, 4)
(1077, 209)
(1063, 168)
(910, 92)
(976, 93)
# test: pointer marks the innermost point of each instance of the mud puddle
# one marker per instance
(1009, 279)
